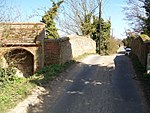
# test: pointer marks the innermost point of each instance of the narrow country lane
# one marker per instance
(98, 84)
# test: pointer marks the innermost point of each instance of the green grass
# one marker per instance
(48, 73)
(12, 92)
(17, 89)
(142, 77)
(137, 65)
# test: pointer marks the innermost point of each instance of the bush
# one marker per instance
(114, 46)
(13, 92)
(12, 88)
(137, 64)
(50, 72)
(16, 89)
(146, 77)
(7, 74)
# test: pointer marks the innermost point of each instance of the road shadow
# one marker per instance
(128, 83)
(82, 82)
(72, 81)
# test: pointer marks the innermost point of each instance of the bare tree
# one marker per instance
(9, 13)
(75, 13)
(135, 14)
(2, 10)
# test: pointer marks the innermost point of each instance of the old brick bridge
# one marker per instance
(24, 46)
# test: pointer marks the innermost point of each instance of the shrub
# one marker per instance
(12, 88)
(7, 74)
(16, 89)
(146, 76)
(13, 92)
(113, 46)
(137, 64)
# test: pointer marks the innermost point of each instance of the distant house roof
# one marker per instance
(20, 32)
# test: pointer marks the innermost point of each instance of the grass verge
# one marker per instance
(13, 92)
(49, 73)
(137, 65)
(142, 77)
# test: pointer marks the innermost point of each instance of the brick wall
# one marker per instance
(51, 51)
(27, 37)
(64, 49)
(81, 45)
(141, 49)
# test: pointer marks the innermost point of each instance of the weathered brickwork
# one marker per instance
(52, 51)
(81, 45)
(23, 44)
(66, 48)
(141, 49)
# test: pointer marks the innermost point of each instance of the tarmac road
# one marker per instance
(100, 84)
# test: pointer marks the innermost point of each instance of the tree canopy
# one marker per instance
(80, 18)
(105, 34)
(48, 19)
(147, 20)
(77, 16)
(138, 14)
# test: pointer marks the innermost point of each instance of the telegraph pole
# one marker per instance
(100, 15)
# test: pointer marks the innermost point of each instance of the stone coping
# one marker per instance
(22, 23)
(20, 44)
(57, 39)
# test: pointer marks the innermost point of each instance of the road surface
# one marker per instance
(98, 84)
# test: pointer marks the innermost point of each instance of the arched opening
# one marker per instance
(22, 60)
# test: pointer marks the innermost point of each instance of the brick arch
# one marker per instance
(22, 60)
(28, 37)
(32, 51)
(8, 49)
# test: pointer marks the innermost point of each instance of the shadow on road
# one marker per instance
(90, 88)
(74, 82)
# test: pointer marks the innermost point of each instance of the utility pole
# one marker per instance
(112, 32)
(100, 15)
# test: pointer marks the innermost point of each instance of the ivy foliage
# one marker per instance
(92, 29)
(138, 15)
(105, 34)
(87, 28)
(48, 19)
(128, 40)
(147, 21)
(7, 74)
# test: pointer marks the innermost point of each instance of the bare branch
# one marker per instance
(135, 14)
(74, 13)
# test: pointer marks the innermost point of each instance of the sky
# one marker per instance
(112, 9)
